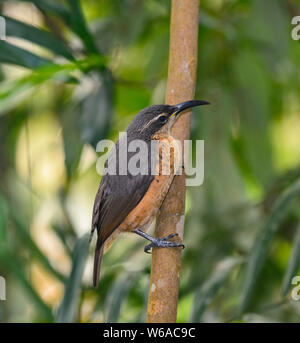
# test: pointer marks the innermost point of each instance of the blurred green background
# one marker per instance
(73, 73)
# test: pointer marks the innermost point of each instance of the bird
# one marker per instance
(129, 202)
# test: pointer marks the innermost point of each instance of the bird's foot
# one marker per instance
(163, 243)
(158, 242)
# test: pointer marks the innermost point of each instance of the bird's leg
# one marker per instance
(158, 242)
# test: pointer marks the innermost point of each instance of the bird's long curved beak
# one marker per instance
(188, 104)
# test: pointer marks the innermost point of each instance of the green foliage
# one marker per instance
(68, 308)
(14, 55)
(45, 312)
(3, 235)
(77, 73)
(16, 28)
(209, 289)
(263, 241)
(293, 265)
(117, 295)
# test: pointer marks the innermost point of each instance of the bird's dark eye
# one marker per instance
(163, 119)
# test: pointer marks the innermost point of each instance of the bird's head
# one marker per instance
(159, 118)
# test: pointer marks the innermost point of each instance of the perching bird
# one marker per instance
(131, 202)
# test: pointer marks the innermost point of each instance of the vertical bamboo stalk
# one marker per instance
(165, 269)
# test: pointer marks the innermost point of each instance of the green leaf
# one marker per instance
(73, 145)
(3, 242)
(17, 270)
(222, 27)
(10, 262)
(211, 287)
(262, 243)
(19, 29)
(118, 295)
(80, 27)
(97, 108)
(73, 17)
(35, 252)
(14, 55)
(12, 92)
(62, 235)
(68, 308)
(293, 264)
(253, 91)
(238, 149)
(53, 7)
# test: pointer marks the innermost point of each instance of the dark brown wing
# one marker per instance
(117, 196)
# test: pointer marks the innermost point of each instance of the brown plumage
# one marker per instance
(131, 202)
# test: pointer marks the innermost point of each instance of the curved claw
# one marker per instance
(148, 248)
(169, 236)
(162, 244)
(158, 242)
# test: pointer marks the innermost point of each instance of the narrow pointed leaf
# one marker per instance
(72, 16)
(15, 28)
(80, 27)
(3, 242)
(53, 7)
(62, 235)
(29, 244)
(73, 145)
(262, 243)
(117, 296)
(18, 272)
(293, 264)
(14, 91)
(14, 55)
(97, 109)
(68, 308)
(210, 288)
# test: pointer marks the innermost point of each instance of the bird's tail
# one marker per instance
(97, 262)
